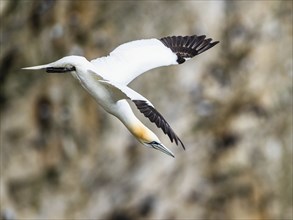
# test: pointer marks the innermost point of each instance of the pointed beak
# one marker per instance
(37, 67)
(161, 148)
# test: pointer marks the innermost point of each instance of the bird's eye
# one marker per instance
(70, 68)
(154, 143)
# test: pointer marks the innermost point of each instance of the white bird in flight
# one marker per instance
(106, 79)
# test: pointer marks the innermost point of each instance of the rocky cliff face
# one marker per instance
(62, 156)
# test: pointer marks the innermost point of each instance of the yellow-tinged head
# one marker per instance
(149, 139)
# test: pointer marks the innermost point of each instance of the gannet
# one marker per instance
(106, 79)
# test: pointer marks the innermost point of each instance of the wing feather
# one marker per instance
(154, 116)
(188, 46)
(131, 59)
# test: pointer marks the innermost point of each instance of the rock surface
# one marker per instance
(63, 157)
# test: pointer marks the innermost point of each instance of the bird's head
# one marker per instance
(64, 65)
(149, 139)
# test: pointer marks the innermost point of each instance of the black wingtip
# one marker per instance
(154, 116)
(188, 46)
(182, 144)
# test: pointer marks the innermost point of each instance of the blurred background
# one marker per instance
(63, 157)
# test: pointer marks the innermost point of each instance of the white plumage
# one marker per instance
(131, 59)
(106, 79)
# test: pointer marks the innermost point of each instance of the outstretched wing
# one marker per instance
(144, 106)
(131, 59)
(154, 116)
